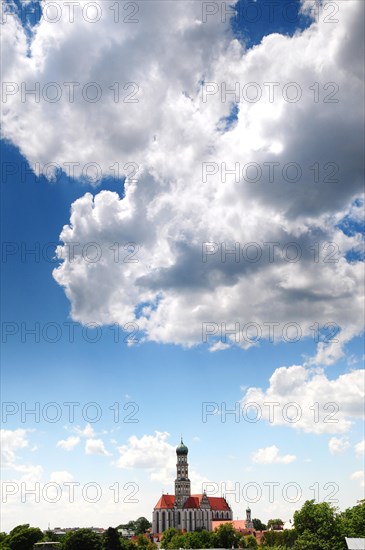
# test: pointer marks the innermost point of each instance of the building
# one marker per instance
(244, 526)
(355, 544)
(46, 545)
(183, 510)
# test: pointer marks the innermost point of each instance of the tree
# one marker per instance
(111, 539)
(127, 544)
(272, 539)
(198, 539)
(23, 537)
(205, 539)
(251, 541)
(318, 527)
(352, 521)
(3, 545)
(167, 537)
(84, 539)
(178, 541)
(225, 536)
(50, 536)
(141, 525)
(289, 537)
(275, 523)
(258, 525)
(144, 543)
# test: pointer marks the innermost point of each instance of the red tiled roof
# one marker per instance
(193, 502)
(166, 501)
(238, 524)
(218, 503)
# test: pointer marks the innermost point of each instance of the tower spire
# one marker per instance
(182, 482)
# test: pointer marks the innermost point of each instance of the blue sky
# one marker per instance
(169, 374)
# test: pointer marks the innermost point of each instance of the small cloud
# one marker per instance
(219, 346)
(270, 455)
(338, 445)
(95, 447)
(11, 441)
(360, 448)
(88, 431)
(352, 360)
(359, 475)
(69, 443)
(61, 477)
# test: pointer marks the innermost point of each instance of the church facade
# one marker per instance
(185, 511)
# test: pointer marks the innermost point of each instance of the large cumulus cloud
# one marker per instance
(170, 133)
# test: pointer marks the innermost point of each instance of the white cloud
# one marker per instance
(360, 448)
(149, 451)
(169, 133)
(137, 53)
(61, 477)
(158, 457)
(306, 399)
(219, 346)
(338, 445)
(88, 431)
(95, 447)
(69, 443)
(30, 472)
(270, 455)
(359, 476)
(11, 442)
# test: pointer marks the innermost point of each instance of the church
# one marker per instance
(185, 511)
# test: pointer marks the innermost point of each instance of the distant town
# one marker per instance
(198, 521)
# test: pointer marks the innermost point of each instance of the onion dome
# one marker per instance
(182, 449)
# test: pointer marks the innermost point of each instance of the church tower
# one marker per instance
(249, 524)
(182, 481)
